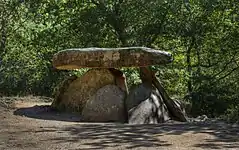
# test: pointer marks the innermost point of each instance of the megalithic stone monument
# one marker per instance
(101, 94)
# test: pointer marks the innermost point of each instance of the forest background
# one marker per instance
(202, 35)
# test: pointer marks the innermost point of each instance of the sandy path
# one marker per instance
(28, 133)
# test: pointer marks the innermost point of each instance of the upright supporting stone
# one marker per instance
(80, 90)
(174, 108)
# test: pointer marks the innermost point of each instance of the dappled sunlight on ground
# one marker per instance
(36, 126)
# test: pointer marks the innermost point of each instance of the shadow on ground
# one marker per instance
(112, 135)
(147, 136)
(45, 112)
(150, 135)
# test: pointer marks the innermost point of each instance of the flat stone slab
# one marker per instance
(109, 58)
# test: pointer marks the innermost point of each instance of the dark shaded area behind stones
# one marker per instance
(46, 112)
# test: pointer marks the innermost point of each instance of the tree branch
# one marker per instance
(114, 20)
(229, 73)
(226, 65)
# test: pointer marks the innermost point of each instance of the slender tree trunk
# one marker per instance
(3, 38)
(199, 65)
(189, 66)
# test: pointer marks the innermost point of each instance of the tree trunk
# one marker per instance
(189, 69)
(189, 66)
(3, 38)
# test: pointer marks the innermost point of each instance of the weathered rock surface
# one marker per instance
(59, 91)
(120, 79)
(138, 94)
(175, 108)
(109, 58)
(106, 105)
(145, 106)
(150, 111)
(78, 92)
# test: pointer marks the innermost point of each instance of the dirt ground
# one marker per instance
(23, 125)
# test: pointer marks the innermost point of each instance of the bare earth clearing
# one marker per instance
(24, 126)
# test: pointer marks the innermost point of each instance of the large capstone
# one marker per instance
(70, 59)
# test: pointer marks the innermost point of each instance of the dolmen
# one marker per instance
(102, 95)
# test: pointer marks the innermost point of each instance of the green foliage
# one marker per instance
(201, 35)
(232, 114)
(132, 76)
